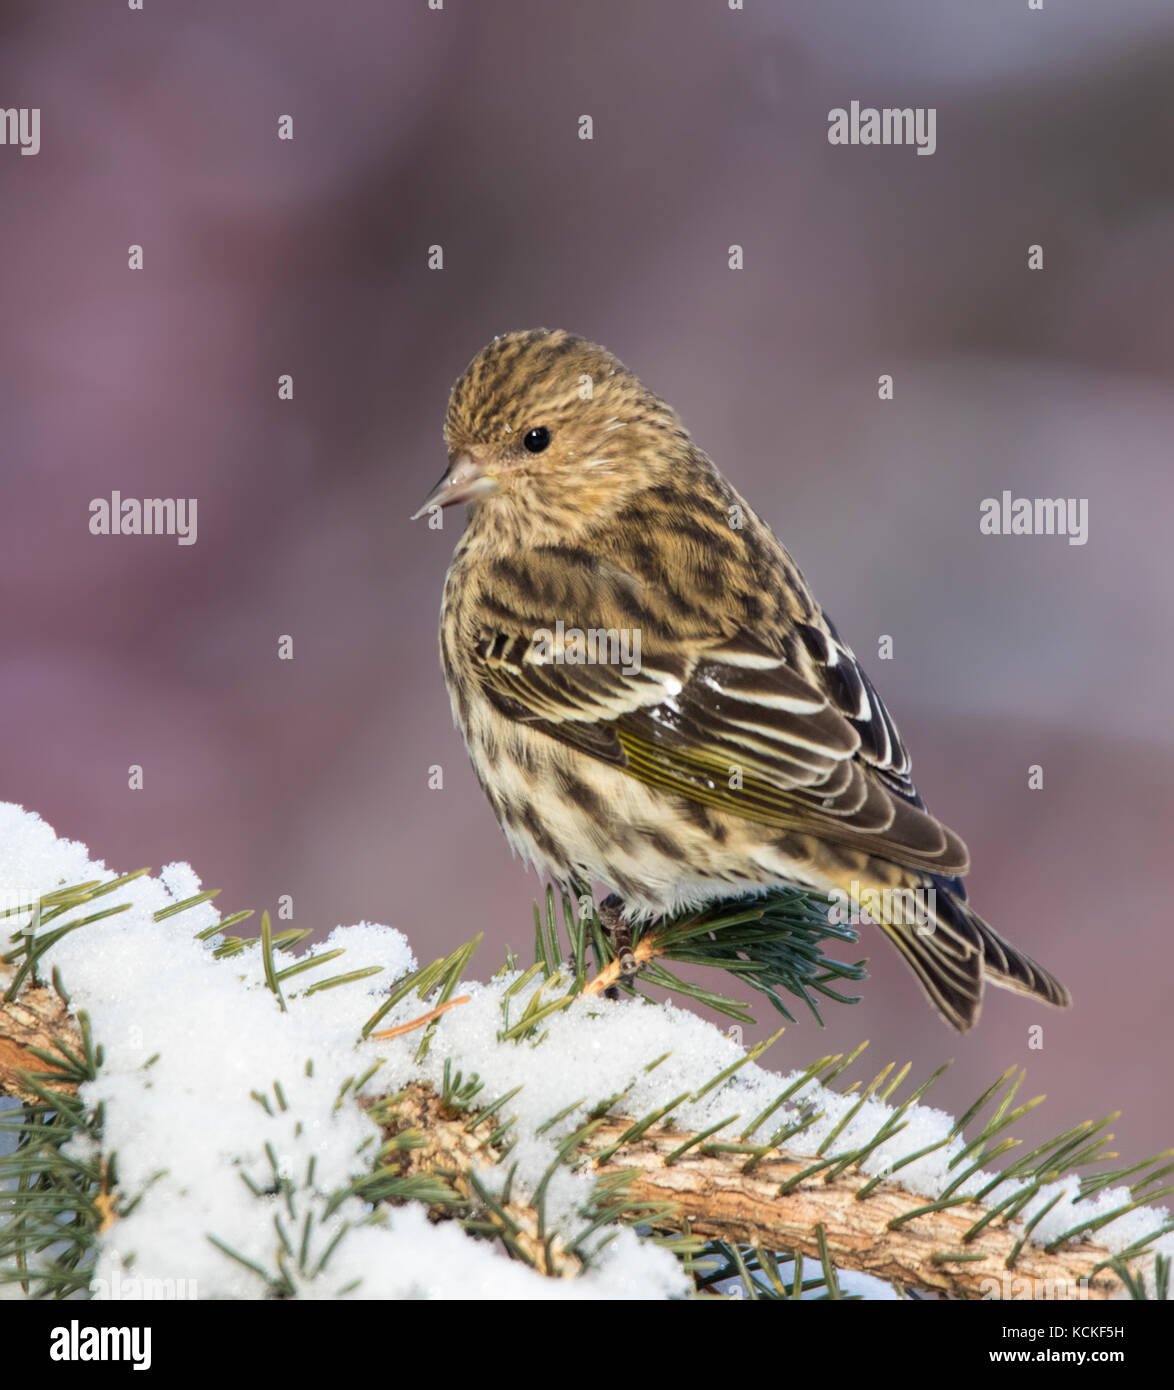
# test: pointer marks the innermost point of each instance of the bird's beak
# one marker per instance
(467, 479)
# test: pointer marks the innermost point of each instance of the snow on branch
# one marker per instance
(218, 1113)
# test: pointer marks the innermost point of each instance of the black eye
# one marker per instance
(537, 439)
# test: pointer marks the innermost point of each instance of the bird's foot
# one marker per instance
(619, 933)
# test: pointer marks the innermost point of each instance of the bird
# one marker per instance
(651, 696)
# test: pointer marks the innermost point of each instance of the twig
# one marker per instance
(646, 949)
(419, 1022)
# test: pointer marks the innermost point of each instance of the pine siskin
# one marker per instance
(650, 695)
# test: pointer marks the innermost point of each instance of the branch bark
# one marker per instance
(33, 1020)
(721, 1201)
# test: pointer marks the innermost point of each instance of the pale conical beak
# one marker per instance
(466, 480)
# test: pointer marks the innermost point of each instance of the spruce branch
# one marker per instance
(784, 1201)
(456, 1148)
(772, 943)
(745, 1194)
(718, 1203)
(37, 1030)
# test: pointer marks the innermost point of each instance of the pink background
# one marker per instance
(459, 127)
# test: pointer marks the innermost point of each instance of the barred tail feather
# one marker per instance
(953, 954)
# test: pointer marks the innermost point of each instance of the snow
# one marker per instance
(190, 1041)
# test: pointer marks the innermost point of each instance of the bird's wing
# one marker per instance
(797, 740)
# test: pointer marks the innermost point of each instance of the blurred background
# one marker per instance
(459, 127)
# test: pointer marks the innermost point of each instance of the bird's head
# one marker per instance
(543, 422)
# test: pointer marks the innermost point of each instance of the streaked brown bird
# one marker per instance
(649, 693)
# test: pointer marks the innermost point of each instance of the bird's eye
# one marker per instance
(537, 439)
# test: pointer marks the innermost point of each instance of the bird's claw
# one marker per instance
(619, 933)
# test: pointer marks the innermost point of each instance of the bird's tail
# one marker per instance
(951, 950)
